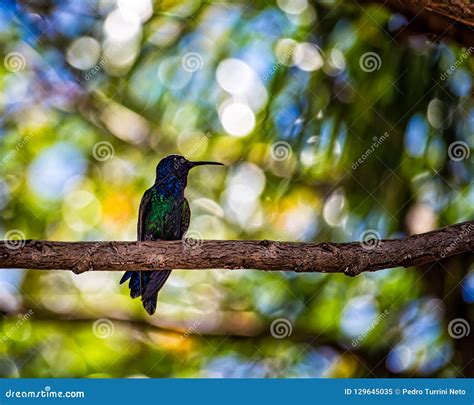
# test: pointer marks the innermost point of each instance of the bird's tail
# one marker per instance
(146, 284)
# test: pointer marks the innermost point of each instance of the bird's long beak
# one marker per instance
(194, 164)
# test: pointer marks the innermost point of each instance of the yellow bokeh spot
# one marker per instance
(174, 342)
(118, 208)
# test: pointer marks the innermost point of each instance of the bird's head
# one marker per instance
(177, 167)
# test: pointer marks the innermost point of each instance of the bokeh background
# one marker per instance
(333, 128)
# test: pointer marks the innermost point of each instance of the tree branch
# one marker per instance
(349, 258)
(453, 18)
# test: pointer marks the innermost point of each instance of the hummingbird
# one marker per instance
(164, 214)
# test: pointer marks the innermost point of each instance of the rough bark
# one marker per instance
(436, 18)
(349, 258)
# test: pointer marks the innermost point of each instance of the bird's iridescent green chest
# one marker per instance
(163, 217)
(158, 211)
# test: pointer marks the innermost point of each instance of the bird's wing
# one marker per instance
(135, 284)
(185, 218)
(142, 213)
